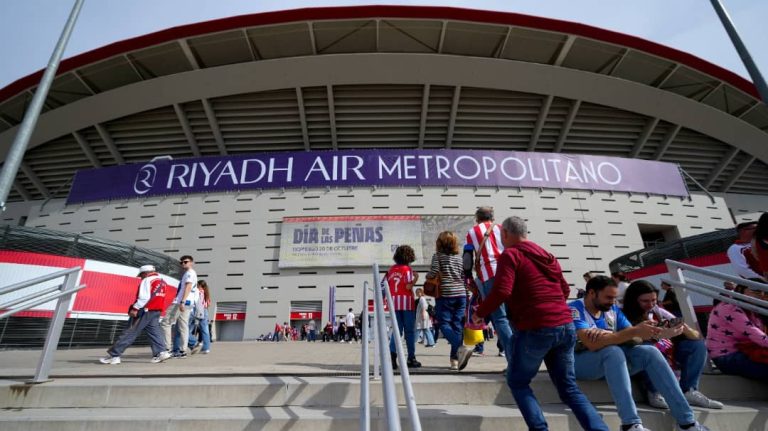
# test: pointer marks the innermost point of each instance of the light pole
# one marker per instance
(754, 72)
(27, 126)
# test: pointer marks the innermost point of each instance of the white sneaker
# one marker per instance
(696, 427)
(205, 352)
(196, 349)
(463, 355)
(637, 427)
(657, 401)
(696, 398)
(110, 360)
(161, 357)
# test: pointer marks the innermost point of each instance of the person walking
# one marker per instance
(311, 331)
(423, 320)
(350, 322)
(178, 312)
(400, 279)
(202, 341)
(452, 300)
(143, 315)
(481, 254)
(530, 281)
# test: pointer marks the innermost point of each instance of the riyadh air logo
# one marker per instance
(145, 179)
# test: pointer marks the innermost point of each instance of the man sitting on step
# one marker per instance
(609, 344)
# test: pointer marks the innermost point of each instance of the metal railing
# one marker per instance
(62, 293)
(381, 351)
(683, 285)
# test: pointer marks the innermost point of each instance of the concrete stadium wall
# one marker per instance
(235, 238)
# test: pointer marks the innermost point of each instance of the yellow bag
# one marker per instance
(473, 336)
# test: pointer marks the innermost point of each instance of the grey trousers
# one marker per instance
(149, 320)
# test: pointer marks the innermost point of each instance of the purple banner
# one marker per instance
(377, 168)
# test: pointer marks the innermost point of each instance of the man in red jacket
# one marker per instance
(144, 314)
(531, 284)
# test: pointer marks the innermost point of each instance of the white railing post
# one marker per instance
(365, 404)
(387, 375)
(376, 357)
(54, 330)
(405, 375)
(683, 297)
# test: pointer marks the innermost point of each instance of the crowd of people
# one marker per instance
(346, 330)
(183, 330)
(615, 330)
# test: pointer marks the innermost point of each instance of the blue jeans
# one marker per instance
(406, 322)
(739, 364)
(690, 355)
(525, 352)
(312, 335)
(616, 363)
(145, 320)
(429, 340)
(450, 314)
(204, 333)
(498, 316)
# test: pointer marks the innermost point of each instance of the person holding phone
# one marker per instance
(681, 345)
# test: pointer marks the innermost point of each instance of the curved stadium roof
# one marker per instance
(389, 77)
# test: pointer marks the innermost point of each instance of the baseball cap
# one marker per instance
(146, 268)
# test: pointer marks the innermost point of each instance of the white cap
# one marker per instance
(146, 268)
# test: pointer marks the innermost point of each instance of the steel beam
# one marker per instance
(22, 191)
(566, 48)
(452, 119)
(189, 54)
(618, 62)
(664, 146)
(540, 122)
(739, 172)
(110, 144)
(442, 38)
(214, 126)
(29, 173)
(721, 167)
(312, 40)
(302, 118)
(86, 147)
(251, 48)
(133, 66)
(84, 82)
(650, 126)
(424, 113)
(668, 75)
(332, 116)
(567, 125)
(503, 45)
(187, 129)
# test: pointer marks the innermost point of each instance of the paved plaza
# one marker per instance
(237, 359)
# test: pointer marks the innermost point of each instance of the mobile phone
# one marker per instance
(677, 321)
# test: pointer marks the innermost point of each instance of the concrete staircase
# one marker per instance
(446, 402)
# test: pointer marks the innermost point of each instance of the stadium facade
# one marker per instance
(374, 93)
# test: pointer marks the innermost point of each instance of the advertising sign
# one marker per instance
(361, 240)
(230, 316)
(464, 168)
(306, 315)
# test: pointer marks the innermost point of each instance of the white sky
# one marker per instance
(29, 28)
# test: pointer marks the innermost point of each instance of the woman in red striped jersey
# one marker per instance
(400, 279)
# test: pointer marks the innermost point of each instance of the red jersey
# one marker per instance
(398, 278)
(492, 248)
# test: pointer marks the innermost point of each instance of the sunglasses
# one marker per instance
(184, 261)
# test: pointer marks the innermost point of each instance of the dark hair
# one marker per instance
(620, 275)
(761, 233)
(484, 214)
(745, 225)
(599, 282)
(185, 257)
(631, 306)
(404, 255)
(350, 309)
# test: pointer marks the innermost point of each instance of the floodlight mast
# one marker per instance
(27, 126)
(754, 72)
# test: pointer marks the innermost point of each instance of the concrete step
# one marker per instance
(274, 391)
(737, 417)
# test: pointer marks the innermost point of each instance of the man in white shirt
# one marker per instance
(350, 322)
(739, 253)
(178, 312)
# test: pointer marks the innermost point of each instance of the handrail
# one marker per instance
(64, 298)
(678, 280)
(387, 374)
(405, 375)
(365, 403)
